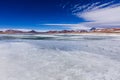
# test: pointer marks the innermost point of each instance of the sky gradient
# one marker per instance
(58, 14)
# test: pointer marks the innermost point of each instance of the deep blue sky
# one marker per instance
(33, 13)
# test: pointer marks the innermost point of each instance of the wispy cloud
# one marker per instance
(96, 15)
(102, 15)
(107, 14)
(22, 29)
(70, 26)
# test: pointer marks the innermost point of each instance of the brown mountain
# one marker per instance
(12, 31)
(105, 30)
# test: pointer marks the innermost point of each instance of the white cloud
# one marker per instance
(70, 26)
(98, 14)
(21, 29)
(101, 15)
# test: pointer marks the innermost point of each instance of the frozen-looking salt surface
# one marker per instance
(87, 59)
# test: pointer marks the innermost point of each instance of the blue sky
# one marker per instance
(56, 14)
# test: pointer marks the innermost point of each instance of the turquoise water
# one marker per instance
(54, 37)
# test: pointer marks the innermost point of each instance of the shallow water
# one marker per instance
(53, 37)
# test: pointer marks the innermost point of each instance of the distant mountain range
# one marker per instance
(10, 31)
(92, 30)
